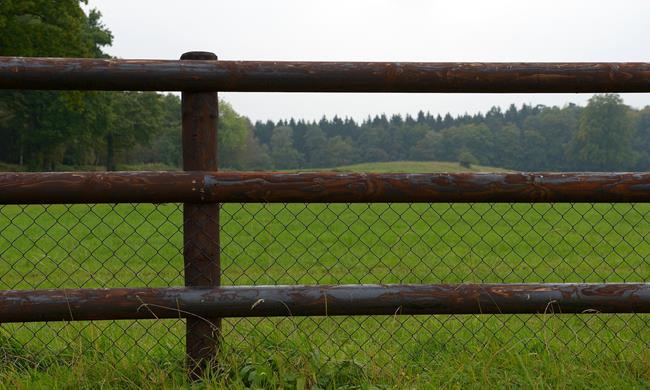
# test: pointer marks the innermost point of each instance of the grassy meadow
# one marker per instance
(414, 167)
(141, 245)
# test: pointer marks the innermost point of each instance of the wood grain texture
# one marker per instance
(283, 76)
(201, 247)
(278, 187)
(321, 300)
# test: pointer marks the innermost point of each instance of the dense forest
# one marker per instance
(604, 135)
(50, 130)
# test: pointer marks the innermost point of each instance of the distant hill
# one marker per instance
(413, 167)
(387, 167)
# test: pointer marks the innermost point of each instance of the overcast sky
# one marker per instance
(376, 30)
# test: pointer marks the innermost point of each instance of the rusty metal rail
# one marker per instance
(266, 301)
(211, 187)
(274, 76)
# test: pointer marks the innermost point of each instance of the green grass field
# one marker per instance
(415, 167)
(140, 245)
(389, 167)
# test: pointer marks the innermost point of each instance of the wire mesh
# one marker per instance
(87, 246)
(66, 246)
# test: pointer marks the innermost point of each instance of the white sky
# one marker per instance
(380, 30)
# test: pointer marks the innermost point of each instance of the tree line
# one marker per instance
(604, 135)
(51, 130)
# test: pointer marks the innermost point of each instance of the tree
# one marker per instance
(284, 155)
(508, 148)
(134, 119)
(45, 123)
(315, 151)
(426, 149)
(603, 138)
(232, 135)
(256, 155)
(642, 140)
(340, 151)
(166, 145)
(476, 138)
(551, 129)
(535, 152)
(466, 159)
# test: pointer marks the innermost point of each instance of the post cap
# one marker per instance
(199, 55)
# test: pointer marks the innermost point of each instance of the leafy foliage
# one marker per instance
(605, 135)
(48, 130)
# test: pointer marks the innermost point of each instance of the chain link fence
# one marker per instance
(128, 245)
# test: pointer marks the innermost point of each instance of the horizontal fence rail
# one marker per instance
(210, 187)
(274, 76)
(267, 301)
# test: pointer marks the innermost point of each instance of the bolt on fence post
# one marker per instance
(200, 221)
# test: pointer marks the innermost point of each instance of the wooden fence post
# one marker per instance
(200, 221)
